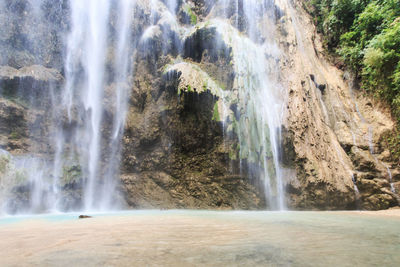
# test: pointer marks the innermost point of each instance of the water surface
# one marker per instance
(207, 238)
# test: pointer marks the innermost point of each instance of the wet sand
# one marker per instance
(205, 238)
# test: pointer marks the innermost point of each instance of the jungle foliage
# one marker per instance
(366, 35)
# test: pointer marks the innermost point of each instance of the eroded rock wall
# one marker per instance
(335, 131)
(175, 154)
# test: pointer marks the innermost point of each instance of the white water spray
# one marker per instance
(260, 99)
(123, 68)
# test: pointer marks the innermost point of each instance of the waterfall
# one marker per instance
(123, 68)
(86, 145)
(88, 49)
(260, 94)
(89, 111)
(87, 44)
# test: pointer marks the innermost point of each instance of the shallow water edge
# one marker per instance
(207, 238)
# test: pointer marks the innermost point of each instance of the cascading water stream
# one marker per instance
(80, 136)
(123, 68)
(370, 140)
(369, 135)
(260, 98)
(88, 129)
(256, 64)
(32, 168)
(87, 49)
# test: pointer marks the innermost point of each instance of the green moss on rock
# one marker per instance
(71, 174)
(216, 116)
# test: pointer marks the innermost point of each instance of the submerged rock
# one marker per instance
(84, 217)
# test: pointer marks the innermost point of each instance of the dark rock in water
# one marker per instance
(84, 216)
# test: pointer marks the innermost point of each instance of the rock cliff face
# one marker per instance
(334, 133)
(26, 100)
(174, 151)
(32, 33)
(182, 146)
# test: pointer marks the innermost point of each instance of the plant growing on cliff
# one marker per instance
(366, 34)
(216, 116)
(4, 161)
(14, 135)
(191, 14)
(10, 176)
(71, 174)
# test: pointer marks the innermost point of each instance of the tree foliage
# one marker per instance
(366, 34)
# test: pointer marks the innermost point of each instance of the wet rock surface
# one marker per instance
(336, 131)
(24, 104)
(30, 38)
(174, 152)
